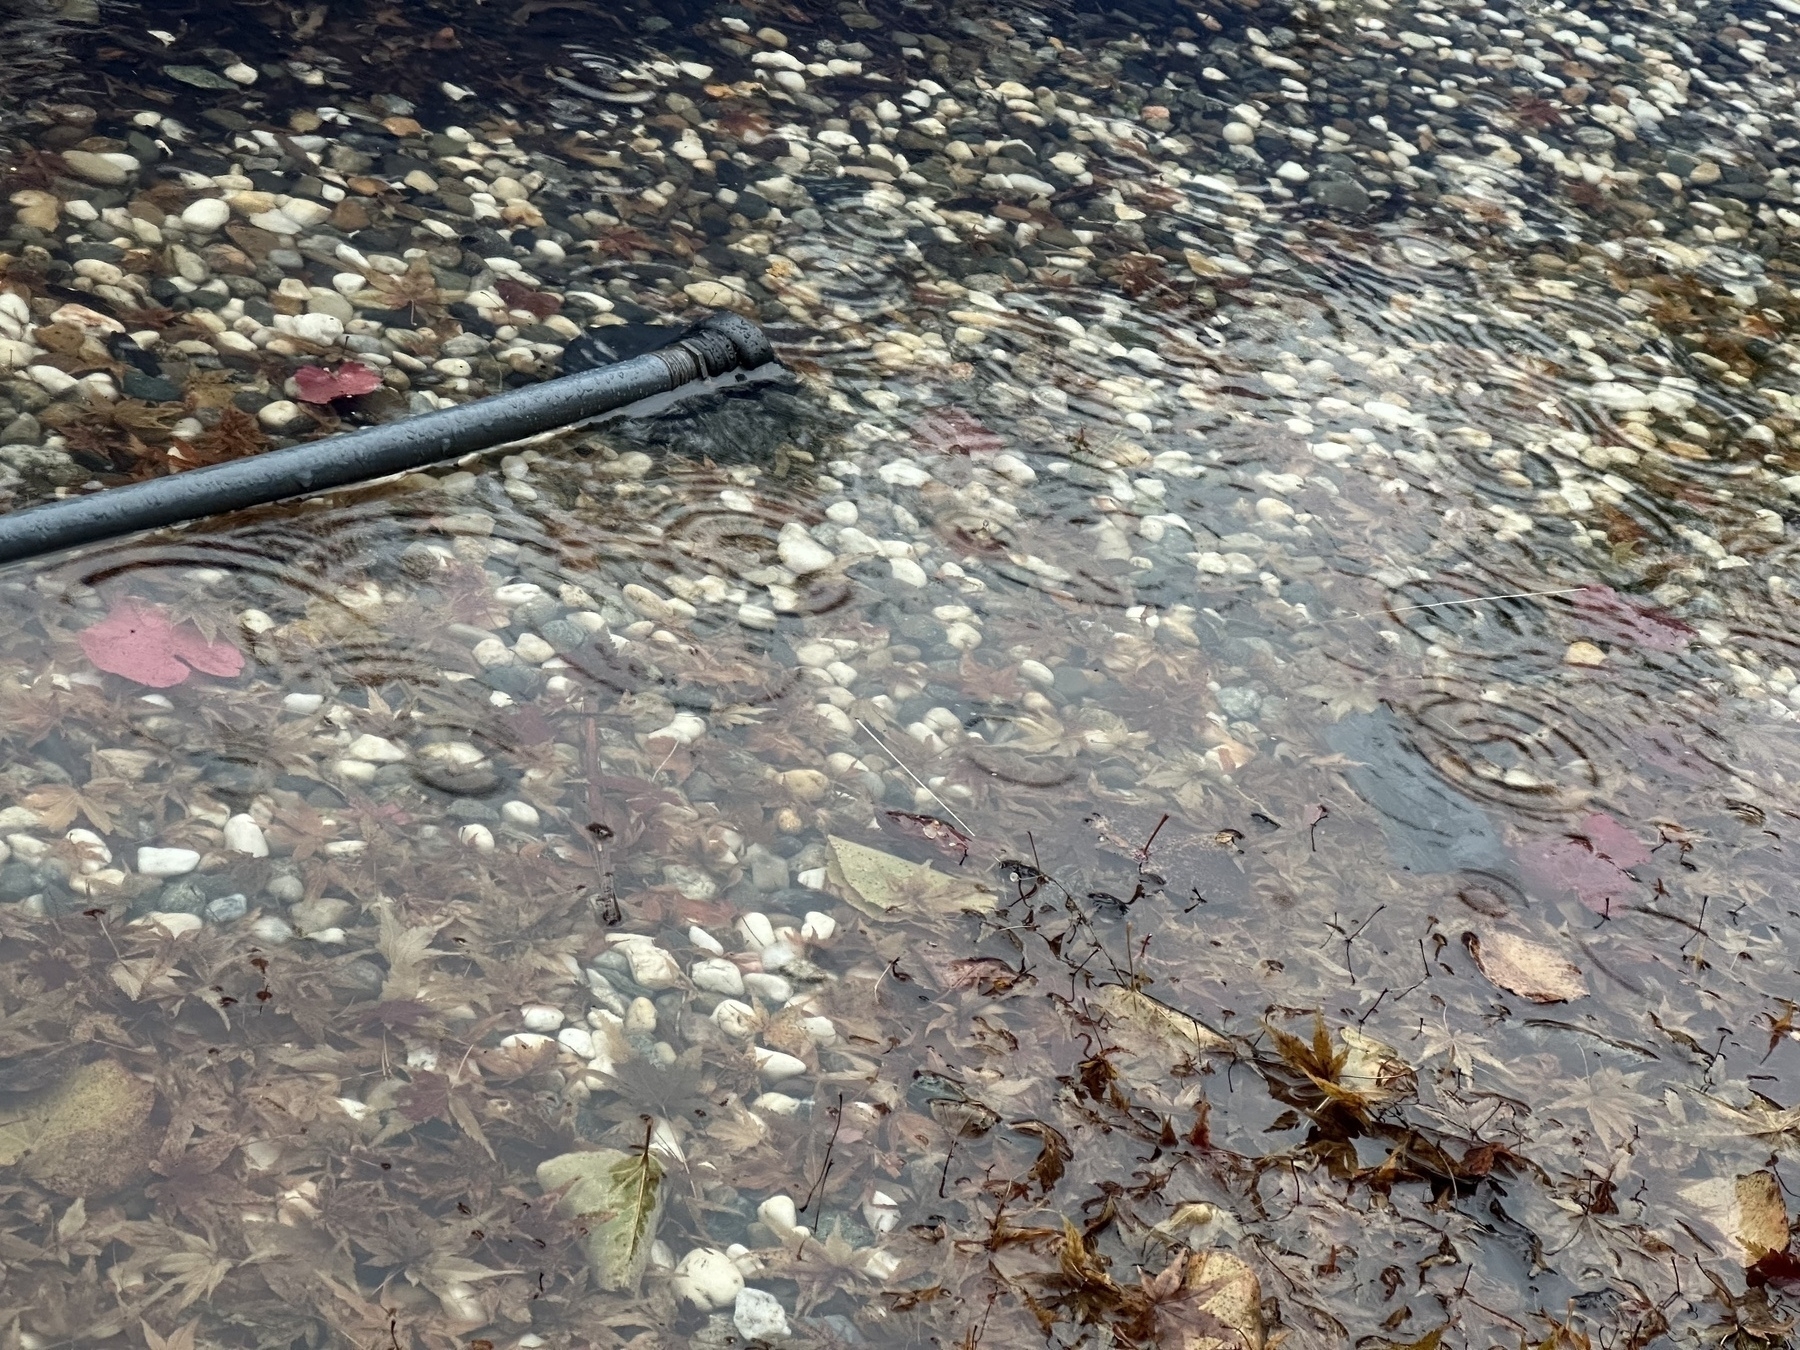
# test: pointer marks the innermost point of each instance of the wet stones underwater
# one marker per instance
(1210, 770)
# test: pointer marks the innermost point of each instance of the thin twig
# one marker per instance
(1477, 600)
(825, 1171)
(915, 777)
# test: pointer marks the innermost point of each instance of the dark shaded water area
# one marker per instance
(1210, 768)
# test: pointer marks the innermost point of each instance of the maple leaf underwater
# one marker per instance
(318, 385)
(138, 641)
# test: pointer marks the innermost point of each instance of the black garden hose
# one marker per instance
(717, 346)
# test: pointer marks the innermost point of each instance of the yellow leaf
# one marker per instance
(619, 1196)
(883, 886)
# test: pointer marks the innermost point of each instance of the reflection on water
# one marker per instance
(1211, 769)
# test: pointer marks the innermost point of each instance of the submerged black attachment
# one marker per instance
(718, 346)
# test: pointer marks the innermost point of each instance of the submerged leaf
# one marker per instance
(1157, 1025)
(138, 642)
(879, 884)
(1228, 1292)
(1529, 969)
(318, 385)
(619, 1197)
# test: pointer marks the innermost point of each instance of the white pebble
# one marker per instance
(777, 1104)
(244, 835)
(736, 1019)
(776, 1065)
(705, 941)
(167, 862)
(533, 649)
(283, 412)
(491, 652)
(717, 976)
(818, 927)
(477, 836)
(324, 329)
(881, 1212)
(272, 929)
(756, 928)
(541, 1017)
(651, 966)
(708, 1279)
(769, 988)
(522, 814)
(685, 729)
(778, 1214)
(758, 1316)
(206, 215)
(578, 1041)
(375, 750)
(800, 552)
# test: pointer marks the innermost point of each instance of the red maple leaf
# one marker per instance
(1616, 618)
(318, 385)
(519, 296)
(951, 431)
(138, 642)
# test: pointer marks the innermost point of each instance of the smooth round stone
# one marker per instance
(708, 1279)
(375, 750)
(717, 976)
(206, 215)
(522, 814)
(280, 414)
(769, 988)
(244, 835)
(800, 553)
(530, 647)
(166, 862)
(108, 170)
(777, 1065)
(324, 329)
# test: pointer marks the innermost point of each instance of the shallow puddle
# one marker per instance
(1209, 767)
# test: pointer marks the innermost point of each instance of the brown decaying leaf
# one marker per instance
(1526, 968)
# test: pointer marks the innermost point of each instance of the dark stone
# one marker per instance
(476, 781)
(226, 119)
(151, 388)
(1340, 194)
(182, 897)
(521, 682)
(753, 206)
(17, 880)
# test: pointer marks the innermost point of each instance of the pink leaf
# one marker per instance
(318, 385)
(1591, 863)
(138, 642)
(1605, 613)
(951, 431)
